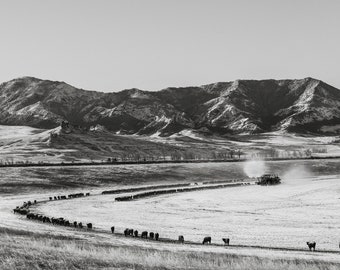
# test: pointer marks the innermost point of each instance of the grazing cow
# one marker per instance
(55, 197)
(87, 194)
(130, 232)
(181, 239)
(157, 236)
(75, 224)
(112, 229)
(80, 225)
(206, 240)
(89, 225)
(311, 245)
(226, 241)
(126, 232)
(35, 201)
(50, 198)
(58, 197)
(151, 235)
(135, 233)
(144, 234)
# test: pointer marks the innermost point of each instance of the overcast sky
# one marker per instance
(110, 45)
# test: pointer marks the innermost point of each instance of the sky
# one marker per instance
(110, 45)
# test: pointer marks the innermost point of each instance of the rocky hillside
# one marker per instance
(228, 107)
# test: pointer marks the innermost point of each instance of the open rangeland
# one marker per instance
(268, 227)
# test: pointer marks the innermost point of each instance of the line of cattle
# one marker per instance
(24, 210)
(169, 191)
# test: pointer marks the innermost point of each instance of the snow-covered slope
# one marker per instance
(242, 106)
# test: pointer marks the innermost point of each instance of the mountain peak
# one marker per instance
(225, 107)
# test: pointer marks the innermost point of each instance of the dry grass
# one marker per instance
(22, 250)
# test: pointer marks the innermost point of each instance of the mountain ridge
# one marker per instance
(241, 106)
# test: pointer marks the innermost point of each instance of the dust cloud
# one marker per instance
(294, 173)
(254, 168)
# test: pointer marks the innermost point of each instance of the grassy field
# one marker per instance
(31, 245)
(305, 207)
(23, 250)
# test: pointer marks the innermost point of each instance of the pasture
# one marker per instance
(304, 208)
(301, 209)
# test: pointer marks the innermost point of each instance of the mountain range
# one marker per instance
(241, 106)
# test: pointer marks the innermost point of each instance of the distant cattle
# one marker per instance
(206, 240)
(87, 194)
(112, 229)
(144, 234)
(89, 225)
(75, 224)
(151, 235)
(51, 198)
(80, 225)
(157, 236)
(135, 233)
(181, 239)
(130, 232)
(126, 232)
(311, 245)
(226, 241)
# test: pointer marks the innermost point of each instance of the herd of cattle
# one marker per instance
(24, 210)
(177, 190)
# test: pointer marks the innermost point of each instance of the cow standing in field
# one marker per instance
(75, 224)
(311, 245)
(135, 233)
(144, 234)
(80, 225)
(156, 236)
(112, 229)
(206, 240)
(226, 241)
(89, 225)
(151, 235)
(181, 239)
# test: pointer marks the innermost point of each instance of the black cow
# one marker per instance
(226, 241)
(126, 232)
(130, 232)
(206, 240)
(89, 225)
(181, 239)
(112, 229)
(135, 233)
(311, 245)
(87, 194)
(151, 235)
(157, 236)
(144, 234)
(50, 198)
(80, 225)
(75, 224)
